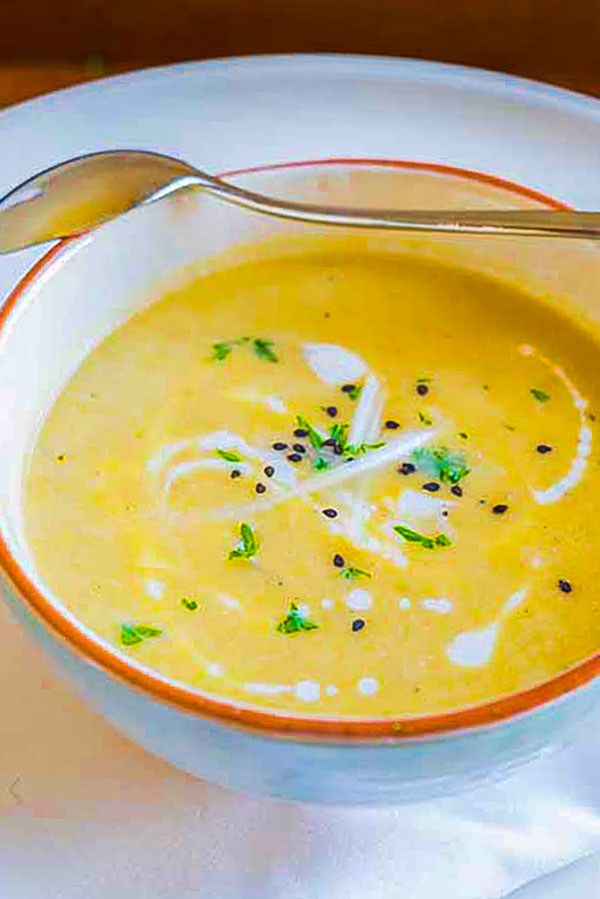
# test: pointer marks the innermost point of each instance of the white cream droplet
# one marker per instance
(303, 609)
(266, 689)
(359, 600)
(441, 606)
(331, 690)
(327, 603)
(368, 686)
(214, 669)
(308, 690)
(154, 588)
(472, 649)
(404, 603)
(230, 602)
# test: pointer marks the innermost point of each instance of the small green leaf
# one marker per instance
(189, 604)
(221, 350)
(249, 545)
(540, 395)
(414, 537)
(321, 464)
(228, 456)
(264, 349)
(424, 419)
(313, 435)
(351, 574)
(355, 392)
(361, 448)
(439, 462)
(339, 432)
(294, 622)
(463, 434)
(130, 634)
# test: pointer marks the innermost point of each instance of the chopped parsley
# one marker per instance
(540, 395)
(361, 448)
(264, 349)
(339, 433)
(228, 455)
(249, 545)
(441, 463)
(313, 435)
(354, 392)
(321, 464)
(351, 574)
(221, 350)
(131, 634)
(294, 622)
(424, 419)
(427, 542)
(190, 604)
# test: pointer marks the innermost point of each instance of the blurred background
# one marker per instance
(44, 46)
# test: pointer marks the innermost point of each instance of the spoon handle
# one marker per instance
(84, 192)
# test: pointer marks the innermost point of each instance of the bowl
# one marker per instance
(86, 287)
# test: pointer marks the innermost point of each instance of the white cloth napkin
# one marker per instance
(85, 813)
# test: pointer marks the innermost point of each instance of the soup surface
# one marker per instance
(334, 482)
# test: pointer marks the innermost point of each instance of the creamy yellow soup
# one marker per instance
(335, 482)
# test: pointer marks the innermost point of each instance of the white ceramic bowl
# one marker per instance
(85, 288)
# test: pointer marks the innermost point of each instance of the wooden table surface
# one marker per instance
(44, 47)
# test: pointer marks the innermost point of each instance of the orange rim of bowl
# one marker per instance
(263, 720)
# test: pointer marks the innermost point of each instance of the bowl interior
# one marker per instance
(91, 285)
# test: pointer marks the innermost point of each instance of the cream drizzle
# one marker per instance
(584, 442)
(474, 649)
(333, 364)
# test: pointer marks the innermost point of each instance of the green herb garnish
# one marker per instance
(221, 350)
(313, 435)
(351, 574)
(321, 464)
(354, 392)
(294, 622)
(249, 545)
(228, 456)
(540, 395)
(339, 432)
(441, 463)
(414, 537)
(361, 448)
(130, 634)
(189, 604)
(264, 349)
(463, 434)
(425, 419)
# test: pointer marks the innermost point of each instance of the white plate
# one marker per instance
(88, 814)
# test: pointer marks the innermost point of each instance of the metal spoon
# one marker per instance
(88, 190)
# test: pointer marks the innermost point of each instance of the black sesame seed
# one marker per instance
(299, 448)
(338, 561)
(269, 471)
(422, 389)
(348, 388)
(294, 457)
(260, 488)
(338, 450)
(329, 442)
(431, 486)
(543, 448)
(358, 624)
(564, 586)
(499, 508)
(331, 411)
(280, 446)
(456, 490)
(61, 457)
(330, 513)
(407, 468)
(300, 432)
(391, 425)
(236, 473)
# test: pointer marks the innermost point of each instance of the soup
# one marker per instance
(336, 482)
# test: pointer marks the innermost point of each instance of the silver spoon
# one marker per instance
(88, 190)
